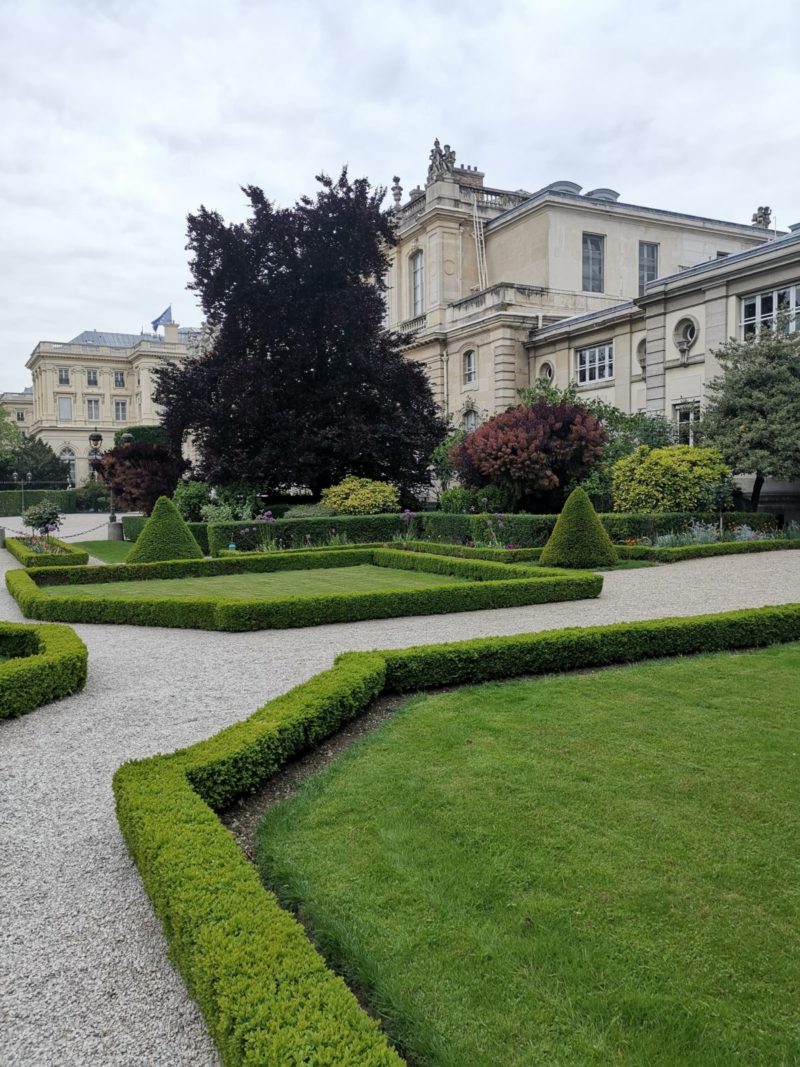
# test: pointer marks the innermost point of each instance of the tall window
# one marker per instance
(67, 457)
(417, 284)
(119, 378)
(91, 377)
(648, 263)
(92, 409)
(593, 255)
(470, 372)
(63, 375)
(687, 422)
(120, 410)
(65, 407)
(595, 364)
(20, 416)
(765, 309)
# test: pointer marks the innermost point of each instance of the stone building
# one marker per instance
(97, 381)
(478, 272)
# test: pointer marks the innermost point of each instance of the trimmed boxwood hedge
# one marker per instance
(165, 536)
(579, 539)
(12, 503)
(719, 548)
(265, 993)
(532, 531)
(132, 526)
(46, 663)
(71, 557)
(356, 528)
(486, 585)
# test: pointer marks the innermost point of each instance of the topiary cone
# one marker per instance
(578, 539)
(165, 536)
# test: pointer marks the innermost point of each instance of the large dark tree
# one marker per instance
(139, 473)
(32, 456)
(299, 383)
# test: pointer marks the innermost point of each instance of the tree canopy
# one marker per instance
(753, 411)
(29, 455)
(139, 473)
(299, 383)
(535, 451)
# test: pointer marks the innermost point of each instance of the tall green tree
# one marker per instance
(32, 456)
(753, 410)
(300, 384)
(10, 435)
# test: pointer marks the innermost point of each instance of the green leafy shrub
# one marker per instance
(93, 496)
(361, 496)
(679, 478)
(265, 993)
(189, 498)
(165, 537)
(11, 500)
(45, 663)
(579, 538)
(307, 511)
(491, 498)
(146, 435)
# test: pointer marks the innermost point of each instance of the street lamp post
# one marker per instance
(22, 481)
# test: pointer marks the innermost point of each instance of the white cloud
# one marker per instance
(118, 118)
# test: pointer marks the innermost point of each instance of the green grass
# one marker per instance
(576, 870)
(364, 578)
(107, 551)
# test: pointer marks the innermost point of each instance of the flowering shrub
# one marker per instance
(678, 478)
(361, 496)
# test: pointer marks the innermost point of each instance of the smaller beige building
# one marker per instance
(97, 381)
(656, 353)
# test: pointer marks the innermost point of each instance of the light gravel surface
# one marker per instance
(84, 976)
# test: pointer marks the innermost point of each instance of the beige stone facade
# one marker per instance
(97, 381)
(476, 269)
(662, 345)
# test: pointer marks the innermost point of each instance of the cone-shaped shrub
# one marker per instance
(578, 539)
(165, 536)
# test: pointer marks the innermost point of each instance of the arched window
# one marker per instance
(469, 368)
(470, 420)
(417, 284)
(67, 457)
(546, 373)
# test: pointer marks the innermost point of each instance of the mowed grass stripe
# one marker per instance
(572, 870)
(364, 578)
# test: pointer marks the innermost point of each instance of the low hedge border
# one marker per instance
(46, 663)
(72, 556)
(264, 991)
(486, 585)
(720, 548)
(526, 531)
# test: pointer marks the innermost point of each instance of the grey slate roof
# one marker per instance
(127, 340)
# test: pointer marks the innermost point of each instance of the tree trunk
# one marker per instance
(755, 496)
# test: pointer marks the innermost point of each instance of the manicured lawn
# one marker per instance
(365, 578)
(576, 870)
(107, 551)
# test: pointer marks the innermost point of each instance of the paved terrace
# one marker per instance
(84, 976)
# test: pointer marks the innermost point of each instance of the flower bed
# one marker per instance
(265, 993)
(44, 663)
(46, 552)
(483, 585)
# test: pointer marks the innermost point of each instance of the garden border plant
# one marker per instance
(45, 663)
(266, 995)
(71, 556)
(486, 585)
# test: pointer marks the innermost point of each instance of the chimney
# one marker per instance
(171, 333)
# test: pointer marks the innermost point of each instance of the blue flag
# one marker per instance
(164, 317)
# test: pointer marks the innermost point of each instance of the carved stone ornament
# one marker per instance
(442, 162)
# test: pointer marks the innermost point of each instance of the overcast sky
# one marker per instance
(118, 117)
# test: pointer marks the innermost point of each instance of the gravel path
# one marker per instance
(84, 977)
